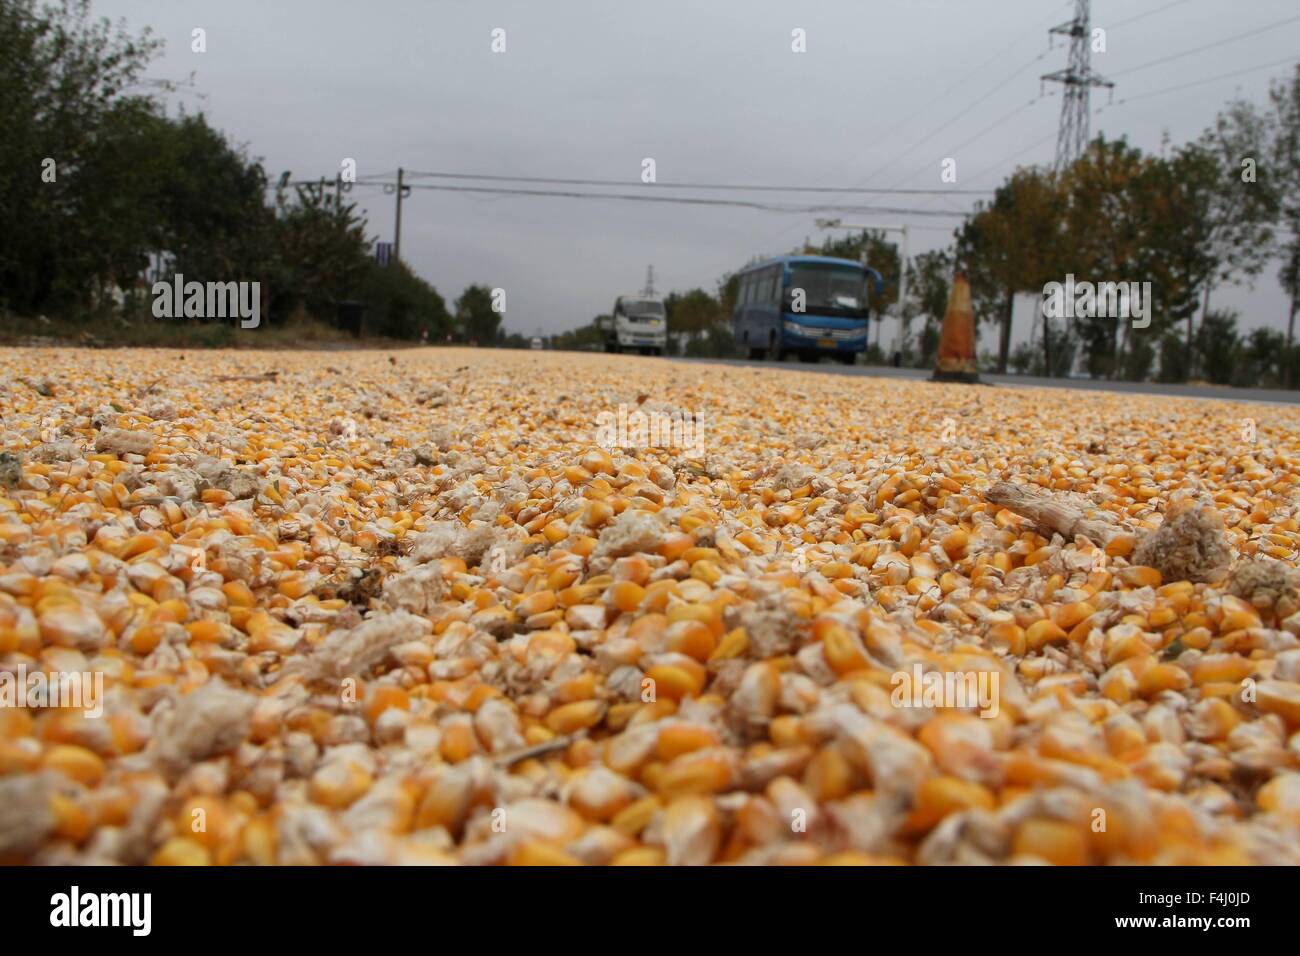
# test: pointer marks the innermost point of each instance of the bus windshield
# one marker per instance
(830, 288)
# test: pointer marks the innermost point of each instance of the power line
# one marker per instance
(1013, 113)
(987, 129)
(370, 179)
(942, 95)
(1211, 79)
(549, 180)
(1020, 152)
(682, 200)
(1209, 46)
(983, 132)
(1149, 13)
(644, 197)
(1128, 99)
(966, 76)
(987, 169)
(941, 127)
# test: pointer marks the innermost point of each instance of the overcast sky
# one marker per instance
(711, 91)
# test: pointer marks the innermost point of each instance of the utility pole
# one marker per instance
(649, 290)
(402, 192)
(1078, 79)
(340, 187)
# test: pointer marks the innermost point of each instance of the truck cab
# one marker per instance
(636, 323)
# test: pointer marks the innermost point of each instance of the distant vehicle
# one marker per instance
(808, 306)
(535, 343)
(636, 322)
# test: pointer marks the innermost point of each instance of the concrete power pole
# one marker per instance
(1078, 79)
(402, 192)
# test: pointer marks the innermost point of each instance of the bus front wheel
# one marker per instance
(774, 351)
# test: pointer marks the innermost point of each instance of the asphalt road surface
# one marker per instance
(1271, 396)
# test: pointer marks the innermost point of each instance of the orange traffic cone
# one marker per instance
(956, 361)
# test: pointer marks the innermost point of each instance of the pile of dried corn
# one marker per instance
(366, 612)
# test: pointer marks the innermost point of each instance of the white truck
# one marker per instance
(637, 323)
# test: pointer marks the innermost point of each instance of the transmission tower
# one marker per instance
(649, 290)
(1078, 79)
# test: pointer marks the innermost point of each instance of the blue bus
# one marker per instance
(808, 306)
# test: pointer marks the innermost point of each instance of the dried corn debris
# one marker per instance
(428, 610)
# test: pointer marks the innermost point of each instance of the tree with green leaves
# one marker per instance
(66, 111)
(1012, 244)
(1105, 200)
(1218, 345)
(1284, 160)
(401, 305)
(728, 289)
(929, 287)
(694, 312)
(475, 315)
(321, 250)
(585, 338)
(1244, 208)
(1289, 276)
(214, 218)
(1170, 202)
(1261, 359)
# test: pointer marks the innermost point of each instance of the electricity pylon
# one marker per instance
(1078, 79)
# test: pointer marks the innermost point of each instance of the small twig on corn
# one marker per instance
(143, 391)
(264, 377)
(538, 750)
(1051, 514)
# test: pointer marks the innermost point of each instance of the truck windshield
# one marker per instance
(830, 288)
(641, 308)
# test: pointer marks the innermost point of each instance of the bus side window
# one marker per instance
(771, 286)
(746, 290)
